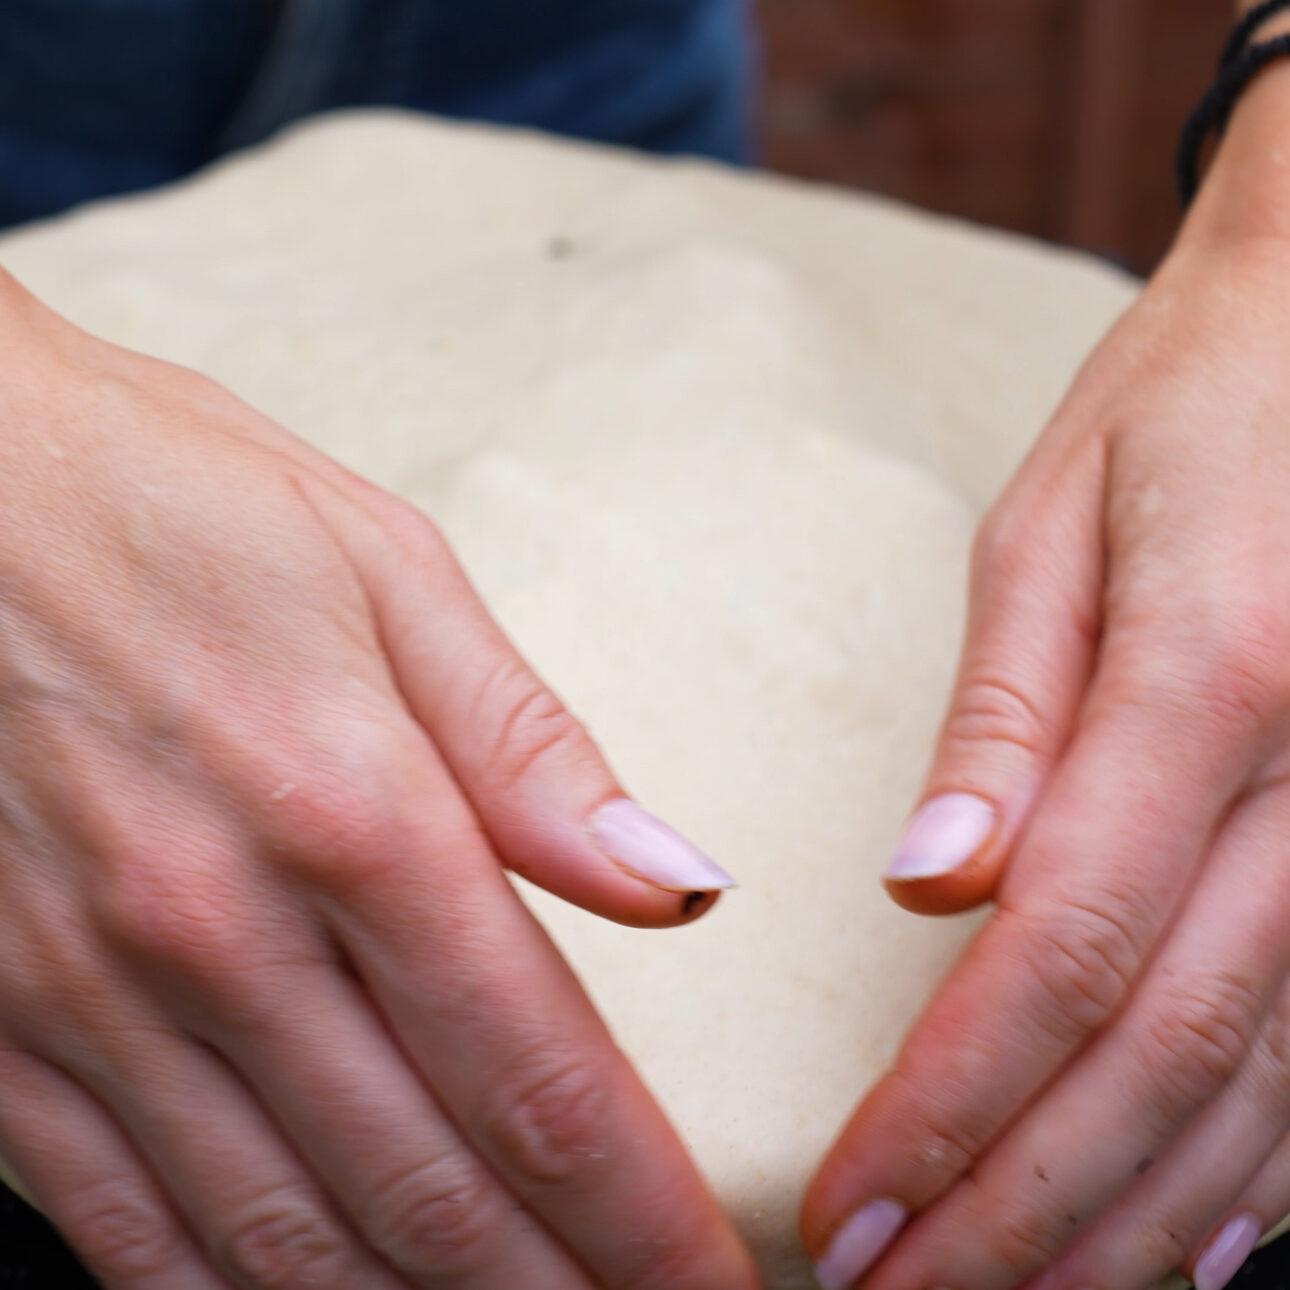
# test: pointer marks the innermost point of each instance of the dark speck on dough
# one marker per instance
(561, 248)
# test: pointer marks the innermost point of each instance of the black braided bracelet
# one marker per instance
(1240, 63)
(1244, 30)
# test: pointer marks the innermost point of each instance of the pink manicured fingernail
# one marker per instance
(642, 844)
(944, 834)
(1226, 1253)
(858, 1243)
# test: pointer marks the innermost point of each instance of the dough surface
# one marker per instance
(713, 448)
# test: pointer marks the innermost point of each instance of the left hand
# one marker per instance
(1100, 1092)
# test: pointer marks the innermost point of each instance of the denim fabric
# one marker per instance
(104, 96)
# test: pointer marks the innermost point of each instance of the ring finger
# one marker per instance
(1227, 1168)
(360, 1122)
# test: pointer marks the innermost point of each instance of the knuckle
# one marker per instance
(1218, 662)
(121, 1235)
(946, 1146)
(533, 725)
(989, 709)
(1001, 544)
(174, 919)
(201, 942)
(1024, 1240)
(1197, 1042)
(435, 1218)
(285, 1242)
(350, 815)
(331, 831)
(947, 1140)
(1241, 689)
(1084, 959)
(946, 1149)
(1230, 685)
(549, 1119)
(416, 534)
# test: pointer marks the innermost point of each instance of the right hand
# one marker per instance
(271, 1015)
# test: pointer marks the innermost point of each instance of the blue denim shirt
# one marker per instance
(103, 96)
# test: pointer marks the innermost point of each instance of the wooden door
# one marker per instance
(1052, 117)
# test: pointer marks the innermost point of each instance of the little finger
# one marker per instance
(1264, 1204)
(1204, 1203)
(81, 1171)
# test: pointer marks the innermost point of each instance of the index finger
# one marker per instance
(502, 1033)
(1113, 846)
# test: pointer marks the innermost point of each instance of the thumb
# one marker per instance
(550, 805)
(1032, 634)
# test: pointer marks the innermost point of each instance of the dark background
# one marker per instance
(1052, 117)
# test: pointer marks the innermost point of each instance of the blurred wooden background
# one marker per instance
(1052, 117)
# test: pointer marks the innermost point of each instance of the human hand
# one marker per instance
(1100, 1091)
(270, 1012)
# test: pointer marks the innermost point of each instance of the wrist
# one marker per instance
(1246, 192)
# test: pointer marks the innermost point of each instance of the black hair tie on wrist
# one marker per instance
(1240, 63)
(1244, 30)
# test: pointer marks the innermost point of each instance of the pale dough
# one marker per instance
(713, 447)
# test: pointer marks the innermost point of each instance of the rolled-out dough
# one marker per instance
(713, 448)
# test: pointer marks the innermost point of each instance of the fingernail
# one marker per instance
(944, 834)
(649, 849)
(858, 1243)
(1225, 1255)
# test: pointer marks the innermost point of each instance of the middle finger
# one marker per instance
(497, 1024)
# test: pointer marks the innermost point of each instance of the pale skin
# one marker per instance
(271, 1016)
(1099, 1093)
